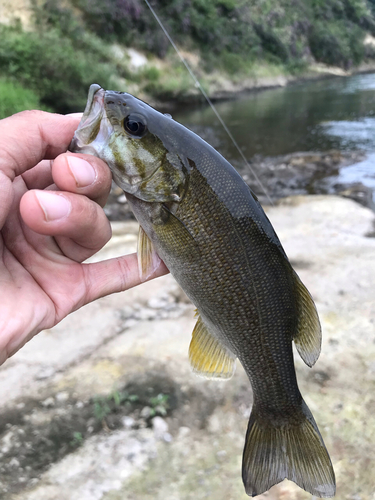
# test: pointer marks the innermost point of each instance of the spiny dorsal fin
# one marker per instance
(308, 338)
(148, 259)
(208, 357)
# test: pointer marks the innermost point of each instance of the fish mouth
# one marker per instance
(94, 106)
(94, 126)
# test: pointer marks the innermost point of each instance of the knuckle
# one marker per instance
(93, 225)
(31, 114)
(88, 211)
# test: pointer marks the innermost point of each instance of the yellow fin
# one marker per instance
(308, 339)
(208, 357)
(148, 259)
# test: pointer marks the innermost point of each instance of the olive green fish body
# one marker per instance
(210, 230)
(237, 277)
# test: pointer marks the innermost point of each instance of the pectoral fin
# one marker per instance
(208, 357)
(148, 259)
(308, 338)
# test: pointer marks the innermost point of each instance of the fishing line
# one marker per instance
(199, 86)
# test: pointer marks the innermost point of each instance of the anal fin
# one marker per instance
(208, 357)
(308, 338)
(148, 259)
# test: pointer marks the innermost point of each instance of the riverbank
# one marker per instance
(104, 406)
(232, 46)
(219, 87)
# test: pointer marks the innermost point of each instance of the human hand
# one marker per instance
(51, 219)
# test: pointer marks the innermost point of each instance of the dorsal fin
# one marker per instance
(308, 338)
(148, 259)
(208, 357)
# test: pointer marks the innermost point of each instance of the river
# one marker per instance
(322, 115)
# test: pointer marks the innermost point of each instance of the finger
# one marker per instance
(31, 136)
(40, 176)
(78, 224)
(83, 174)
(115, 275)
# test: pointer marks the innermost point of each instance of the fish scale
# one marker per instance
(203, 221)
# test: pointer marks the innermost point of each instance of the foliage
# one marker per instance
(104, 405)
(77, 439)
(14, 98)
(51, 67)
(335, 45)
(159, 405)
(214, 25)
(78, 42)
(165, 86)
(229, 30)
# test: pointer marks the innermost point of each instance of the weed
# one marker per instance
(159, 405)
(77, 439)
(101, 408)
(105, 405)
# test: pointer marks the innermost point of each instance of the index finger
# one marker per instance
(31, 136)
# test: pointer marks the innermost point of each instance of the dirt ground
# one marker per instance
(105, 407)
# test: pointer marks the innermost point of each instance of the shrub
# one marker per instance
(339, 43)
(151, 73)
(174, 85)
(15, 98)
(49, 65)
(215, 25)
(272, 43)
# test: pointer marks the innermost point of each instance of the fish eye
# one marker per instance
(135, 125)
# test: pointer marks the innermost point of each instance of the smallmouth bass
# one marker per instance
(198, 215)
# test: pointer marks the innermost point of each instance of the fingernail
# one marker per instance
(82, 171)
(54, 206)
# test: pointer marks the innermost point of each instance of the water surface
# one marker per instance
(334, 113)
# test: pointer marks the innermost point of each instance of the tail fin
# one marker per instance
(296, 452)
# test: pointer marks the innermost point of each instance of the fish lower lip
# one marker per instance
(93, 91)
(90, 120)
(94, 105)
(99, 97)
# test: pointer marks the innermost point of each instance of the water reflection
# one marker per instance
(336, 113)
(286, 120)
(353, 134)
(362, 172)
(364, 169)
(359, 83)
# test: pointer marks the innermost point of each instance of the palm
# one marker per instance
(35, 273)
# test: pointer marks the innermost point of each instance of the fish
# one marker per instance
(203, 221)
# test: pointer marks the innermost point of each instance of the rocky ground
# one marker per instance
(306, 173)
(105, 407)
(282, 176)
